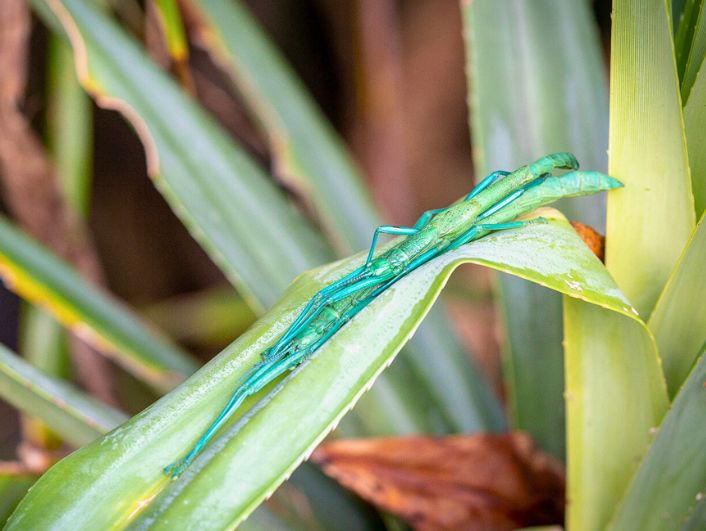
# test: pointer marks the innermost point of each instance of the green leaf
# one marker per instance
(75, 416)
(651, 219)
(256, 452)
(684, 36)
(240, 218)
(672, 478)
(694, 118)
(40, 277)
(615, 395)
(535, 92)
(679, 320)
(695, 40)
(13, 487)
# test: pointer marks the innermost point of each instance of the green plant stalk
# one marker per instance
(616, 396)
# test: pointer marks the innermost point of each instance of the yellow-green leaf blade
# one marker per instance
(227, 202)
(651, 219)
(671, 480)
(40, 277)
(245, 464)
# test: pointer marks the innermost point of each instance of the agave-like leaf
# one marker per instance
(257, 451)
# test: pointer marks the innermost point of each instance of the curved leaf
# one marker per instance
(671, 480)
(256, 452)
(40, 277)
(78, 418)
(227, 202)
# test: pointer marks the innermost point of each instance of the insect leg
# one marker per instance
(487, 181)
(388, 229)
(511, 224)
(306, 314)
(426, 217)
(243, 390)
(500, 204)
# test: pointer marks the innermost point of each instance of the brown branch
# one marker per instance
(31, 188)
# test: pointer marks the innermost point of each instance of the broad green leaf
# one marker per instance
(679, 320)
(671, 480)
(615, 395)
(651, 219)
(220, 194)
(40, 277)
(533, 92)
(256, 452)
(225, 204)
(75, 416)
(697, 49)
(694, 118)
(13, 487)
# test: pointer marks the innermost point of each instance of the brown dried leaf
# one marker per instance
(472, 482)
(592, 238)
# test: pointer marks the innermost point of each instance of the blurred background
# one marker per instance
(390, 77)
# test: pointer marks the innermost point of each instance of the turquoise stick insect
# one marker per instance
(492, 205)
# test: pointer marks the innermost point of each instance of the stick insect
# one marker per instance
(491, 206)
